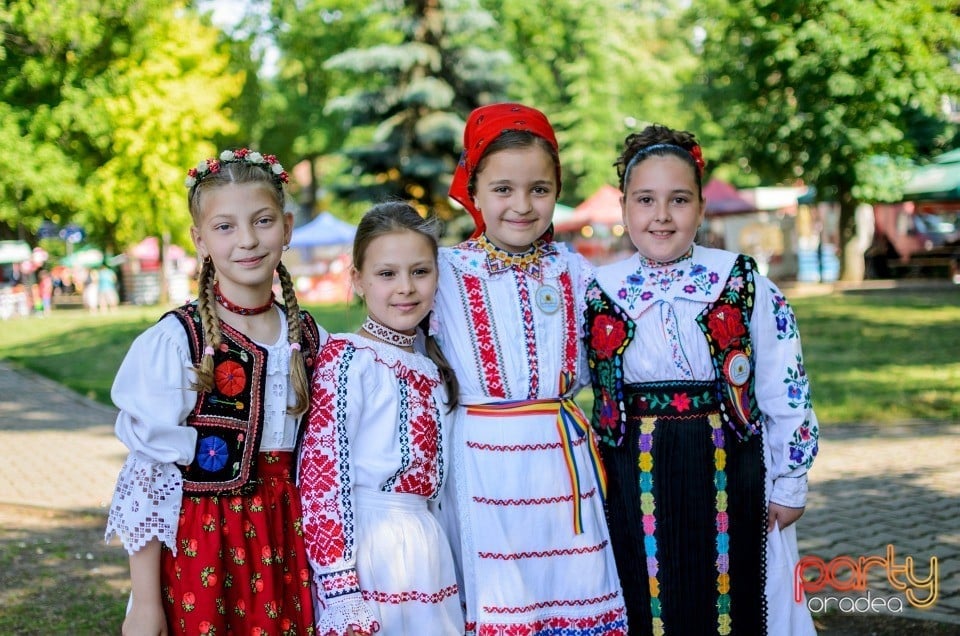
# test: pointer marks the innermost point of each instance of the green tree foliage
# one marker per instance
(409, 93)
(294, 119)
(813, 89)
(599, 70)
(107, 104)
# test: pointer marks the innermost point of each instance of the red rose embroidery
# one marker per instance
(606, 335)
(726, 325)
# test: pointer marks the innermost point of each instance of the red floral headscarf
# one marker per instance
(483, 126)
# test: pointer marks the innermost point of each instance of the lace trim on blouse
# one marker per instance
(146, 504)
(348, 611)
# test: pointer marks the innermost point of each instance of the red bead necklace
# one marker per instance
(237, 309)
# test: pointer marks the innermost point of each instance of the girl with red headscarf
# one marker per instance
(525, 503)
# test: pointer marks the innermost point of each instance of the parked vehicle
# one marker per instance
(915, 239)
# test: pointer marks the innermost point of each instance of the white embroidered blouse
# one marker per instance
(664, 301)
(152, 391)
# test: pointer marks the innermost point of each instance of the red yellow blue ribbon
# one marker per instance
(570, 419)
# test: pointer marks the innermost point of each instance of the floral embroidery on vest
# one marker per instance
(229, 419)
(726, 325)
(609, 331)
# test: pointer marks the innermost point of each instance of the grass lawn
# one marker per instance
(878, 356)
(872, 356)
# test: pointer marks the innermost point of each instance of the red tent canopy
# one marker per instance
(723, 198)
(601, 208)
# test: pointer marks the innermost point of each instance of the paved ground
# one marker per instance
(871, 487)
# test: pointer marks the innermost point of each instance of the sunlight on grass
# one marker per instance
(84, 351)
(878, 356)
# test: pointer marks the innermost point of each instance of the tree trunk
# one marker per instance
(850, 247)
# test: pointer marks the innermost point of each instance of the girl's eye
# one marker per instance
(222, 227)
(387, 274)
(541, 190)
(645, 200)
(423, 271)
(501, 189)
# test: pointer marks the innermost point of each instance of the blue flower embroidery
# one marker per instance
(701, 279)
(804, 445)
(212, 454)
(798, 386)
(786, 321)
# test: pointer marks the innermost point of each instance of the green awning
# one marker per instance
(938, 181)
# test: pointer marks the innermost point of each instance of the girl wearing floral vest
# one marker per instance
(210, 401)
(703, 409)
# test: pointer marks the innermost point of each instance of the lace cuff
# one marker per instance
(345, 612)
(146, 504)
(790, 491)
(343, 605)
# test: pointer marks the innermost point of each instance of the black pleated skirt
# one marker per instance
(687, 515)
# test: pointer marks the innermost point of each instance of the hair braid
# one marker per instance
(447, 374)
(298, 369)
(210, 323)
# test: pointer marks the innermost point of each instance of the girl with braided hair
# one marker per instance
(210, 401)
(703, 410)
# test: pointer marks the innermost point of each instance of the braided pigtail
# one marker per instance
(210, 323)
(298, 368)
(447, 374)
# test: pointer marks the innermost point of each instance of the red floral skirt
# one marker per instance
(241, 566)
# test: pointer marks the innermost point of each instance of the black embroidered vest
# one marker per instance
(726, 326)
(229, 419)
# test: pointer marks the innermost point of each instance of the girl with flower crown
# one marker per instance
(374, 457)
(526, 502)
(210, 401)
(703, 409)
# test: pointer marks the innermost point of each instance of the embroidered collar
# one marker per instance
(636, 287)
(391, 356)
(388, 335)
(529, 262)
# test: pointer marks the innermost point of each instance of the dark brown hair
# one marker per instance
(513, 140)
(390, 217)
(658, 141)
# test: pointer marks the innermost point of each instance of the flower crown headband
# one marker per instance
(242, 155)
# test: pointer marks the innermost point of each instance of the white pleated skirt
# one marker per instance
(405, 565)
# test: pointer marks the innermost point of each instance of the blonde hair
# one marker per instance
(238, 174)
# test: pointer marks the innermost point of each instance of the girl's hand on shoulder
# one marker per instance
(781, 515)
(145, 619)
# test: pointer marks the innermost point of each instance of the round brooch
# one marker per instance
(736, 368)
(548, 299)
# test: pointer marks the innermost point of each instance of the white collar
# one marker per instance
(636, 288)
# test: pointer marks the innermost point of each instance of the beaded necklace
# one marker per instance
(652, 264)
(386, 334)
(237, 309)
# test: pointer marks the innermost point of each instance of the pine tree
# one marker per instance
(405, 122)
